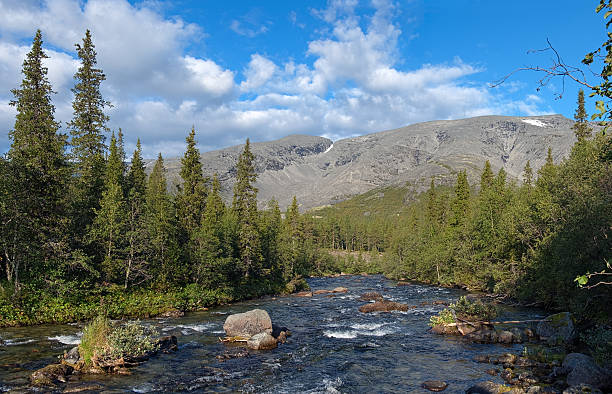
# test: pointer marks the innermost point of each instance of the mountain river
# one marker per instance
(334, 347)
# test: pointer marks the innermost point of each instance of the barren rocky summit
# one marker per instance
(321, 172)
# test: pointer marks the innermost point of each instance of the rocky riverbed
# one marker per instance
(333, 347)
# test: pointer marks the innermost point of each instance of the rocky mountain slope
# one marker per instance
(321, 172)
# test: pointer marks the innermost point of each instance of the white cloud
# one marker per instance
(260, 70)
(351, 85)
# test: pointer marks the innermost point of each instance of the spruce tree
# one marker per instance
(486, 179)
(161, 226)
(244, 206)
(461, 201)
(135, 267)
(191, 195)
(109, 224)
(38, 175)
(208, 240)
(87, 129)
(292, 239)
(528, 174)
(581, 126)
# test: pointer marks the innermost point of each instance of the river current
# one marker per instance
(334, 347)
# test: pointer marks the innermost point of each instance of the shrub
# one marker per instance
(464, 309)
(105, 341)
(473, 310)
(442, 318)
(95, 339)
(131, 340)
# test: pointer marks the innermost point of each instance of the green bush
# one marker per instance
(442, 318)
(95, 339)
(464, 309)
(131, 340)
(473, 310)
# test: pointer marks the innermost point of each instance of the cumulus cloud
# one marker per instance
(352, 82)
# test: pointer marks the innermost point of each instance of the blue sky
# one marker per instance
(268, 69)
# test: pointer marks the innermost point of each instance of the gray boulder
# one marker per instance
(557, 328)
(262, 341)
(248, 324)
(583, 370)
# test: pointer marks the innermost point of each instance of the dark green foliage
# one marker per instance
(136, 263)
(109, 225)
(161, 226)
(87, 129)
(34, 196)
(581, 126)
(191, 195)
(244, 207)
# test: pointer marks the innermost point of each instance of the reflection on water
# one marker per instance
(334, 348)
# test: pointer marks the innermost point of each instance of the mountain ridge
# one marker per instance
(321, 172)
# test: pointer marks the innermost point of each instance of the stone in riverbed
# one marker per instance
(487, 388)
(72, 357)
(51, 375)
(248, 323)
(340, 290)
(303, 294)
(383, 306)
(262, 341)
(505, 337)
(371, 296)
(583, 370)
(434, 385)
(173, 313)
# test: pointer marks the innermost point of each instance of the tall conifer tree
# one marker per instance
(581, 124)
(136, 263)
(87, 129)
(191, 195)
(161, 225)
(109, 224)
(208, 241)
(245, 208)
(38, 174)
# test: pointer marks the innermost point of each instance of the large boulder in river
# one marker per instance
(262, 341)
(583, 370)
(557, 329)
(248, 324)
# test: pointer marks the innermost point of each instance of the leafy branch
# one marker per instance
(582, 280)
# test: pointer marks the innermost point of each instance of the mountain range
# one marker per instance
(320, 172)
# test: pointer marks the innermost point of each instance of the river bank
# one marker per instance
(35, 307)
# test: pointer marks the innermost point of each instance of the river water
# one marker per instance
(334, 347)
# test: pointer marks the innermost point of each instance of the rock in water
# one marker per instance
(248, 323)
(262, 341)
(51, 375)
(583, 370)
(383, 306)
(557, 328)
(371, 296)
(487, 388)
(434, 385)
